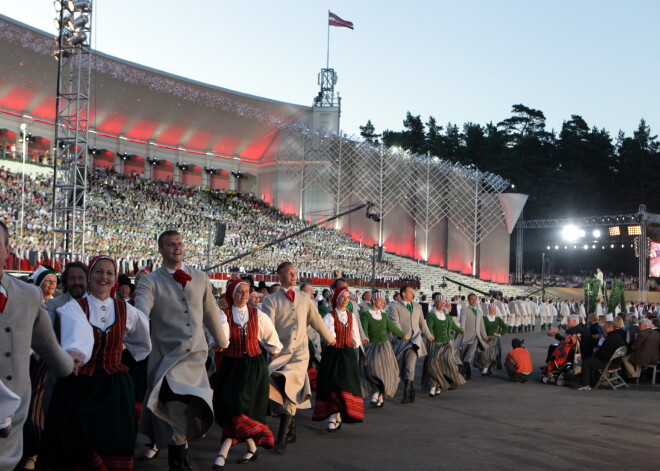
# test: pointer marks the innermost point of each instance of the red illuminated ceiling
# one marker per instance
(143, 104)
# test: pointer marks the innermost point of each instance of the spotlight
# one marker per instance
(556, 247)
(78, 23)
(581, 233)
(596, 233)
(634, 230)
(570, 233)
(612, 246)
(78, 39)
(586, 247)
(59, 4)
(548, 247)
(593, 246)
(82, 5)
(614, 230)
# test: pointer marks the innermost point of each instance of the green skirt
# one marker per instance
(338, 386)
(240, 399)
(90, 423)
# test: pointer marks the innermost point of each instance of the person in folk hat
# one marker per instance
(291, 311)
(338, 390)
(90, 421)
(380, 378)
(74, 283)
(240, 397)
(125, 288)
(24, 325)
(441, 366)
(45, 279)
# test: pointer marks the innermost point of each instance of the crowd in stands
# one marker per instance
(124, 215)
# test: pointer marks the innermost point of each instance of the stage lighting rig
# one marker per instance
(373, 216)
(634, 230)
(211, 171)
(153, 162)
(614, 231)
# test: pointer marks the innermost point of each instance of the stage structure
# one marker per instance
(430, 190)
(642, 218)
(70, 165)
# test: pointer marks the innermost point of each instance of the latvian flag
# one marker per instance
(334, 20)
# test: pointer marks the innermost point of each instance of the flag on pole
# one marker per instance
(334, 20)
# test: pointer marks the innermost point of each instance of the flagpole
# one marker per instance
(327, 66)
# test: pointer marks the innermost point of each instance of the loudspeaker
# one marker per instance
(220, 229)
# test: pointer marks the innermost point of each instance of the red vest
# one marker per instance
(243, 340)
(108, 345)
(343, 333)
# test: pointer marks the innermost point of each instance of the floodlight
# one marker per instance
(614, 231)
(82, 5)
(556, 247)
(596, 233)
(634, 230)
(570, 233)
(78, 23)
(78, 39)
(586, 246)
(581, 233)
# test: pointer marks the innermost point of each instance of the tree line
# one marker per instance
(578, 171)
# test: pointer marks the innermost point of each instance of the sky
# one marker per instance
(459, 61)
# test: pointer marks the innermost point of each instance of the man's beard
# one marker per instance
(77, 291)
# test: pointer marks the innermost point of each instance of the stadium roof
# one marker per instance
(141, 103)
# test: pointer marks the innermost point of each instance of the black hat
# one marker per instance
(515, 343)
(124, 279)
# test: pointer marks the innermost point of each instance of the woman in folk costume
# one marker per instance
(441, 366)
(380, 376)
(338, 391)
(45, 279)
(495, 328)
(240, 397)
(90, 422)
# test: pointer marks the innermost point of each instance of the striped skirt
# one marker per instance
(338, 386)
(488, 357)
(442, 367)
(380, 372)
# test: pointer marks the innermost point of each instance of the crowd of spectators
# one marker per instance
(577, 281)
(125, 214)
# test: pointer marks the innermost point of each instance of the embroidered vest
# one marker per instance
(343, 333)
(108, 345)
(243, 340)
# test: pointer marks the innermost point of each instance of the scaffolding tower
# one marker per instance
(70, 165)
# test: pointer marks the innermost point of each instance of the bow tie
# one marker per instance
(182, 277)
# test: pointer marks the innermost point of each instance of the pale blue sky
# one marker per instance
(458, 61)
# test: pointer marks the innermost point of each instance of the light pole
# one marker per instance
(24, 132)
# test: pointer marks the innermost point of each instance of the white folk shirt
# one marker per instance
(329, 321)
(77, 333)
(267, 334)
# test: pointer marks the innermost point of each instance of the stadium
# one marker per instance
(154, 126)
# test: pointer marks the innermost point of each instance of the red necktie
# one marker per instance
(291, 295)
(182, 277)
(3, 302)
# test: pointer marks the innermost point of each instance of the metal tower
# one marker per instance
(70, 165)
(326, 96)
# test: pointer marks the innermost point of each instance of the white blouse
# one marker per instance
(77, 333)
(439, 314)
(267, 334)
(376, 314)
(343, 318)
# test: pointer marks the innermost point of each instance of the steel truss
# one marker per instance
(74, 55)
(641, 218)
(426, 187)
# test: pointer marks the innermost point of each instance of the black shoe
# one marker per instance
(533, 328)
(412, 391)
(406, 392)
(254, 454)
(291, 436)
(177, 458)
(282, 433)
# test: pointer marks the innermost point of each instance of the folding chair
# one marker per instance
(653, 368)
(610, 374)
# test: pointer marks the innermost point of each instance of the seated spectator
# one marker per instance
(573, 327)
(645, 350)
(518, 362)
(612, 341)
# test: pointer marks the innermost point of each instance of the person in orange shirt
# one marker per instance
(518, 362)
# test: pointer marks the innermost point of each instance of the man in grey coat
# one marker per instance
(408, 316)
(473, 336)
(179, 302)
(291, 311)
(24, 325)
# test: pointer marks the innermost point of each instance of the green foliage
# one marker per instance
(617, 296)
(591, 287)
(368, 132)
(581, 167)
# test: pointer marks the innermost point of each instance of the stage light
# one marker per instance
(78, 23)
(565, 247)
(78, 39)
(614, 231)
(548, 247)
(59, 4)
(593, 246)
(581, 233)
(82, 5)
(596, 233)
(586, 247)
(622, 246)
(612, 246)
(634, 230)
(570, 233)
(556, 247)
